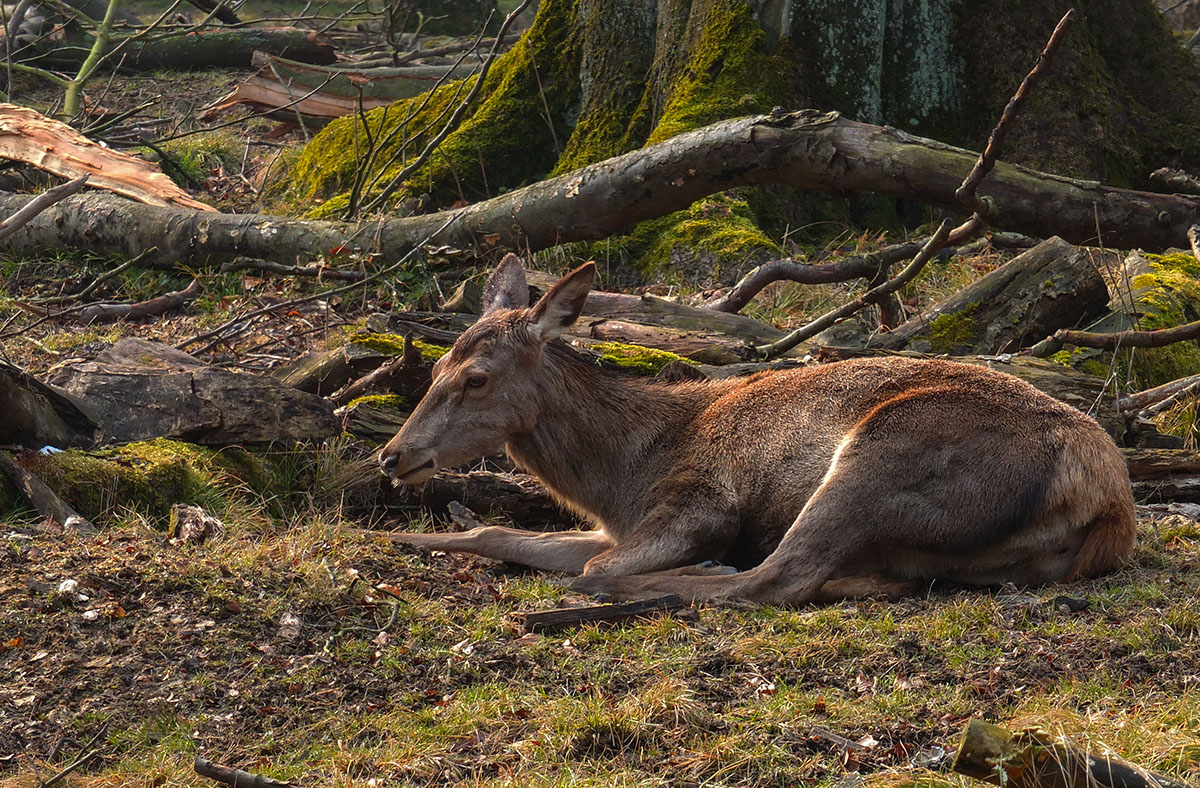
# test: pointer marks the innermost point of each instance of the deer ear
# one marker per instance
(562, 306)
(506, 288)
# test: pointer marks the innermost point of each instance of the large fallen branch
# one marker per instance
(806, 149)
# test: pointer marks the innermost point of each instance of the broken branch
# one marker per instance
(159, 305)
(935, 242)
(965, 193)
(570, 617)
(238, 778)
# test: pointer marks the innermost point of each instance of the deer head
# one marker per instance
(486, 389)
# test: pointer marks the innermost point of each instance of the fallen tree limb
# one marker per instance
(805, 149)
(159, 305)
(39, 204)
(872, 296)
(845, 270)
(1144, 399)
(545, 621)
(53, 146)
(1034, 758)
(238, 778)
(217, 48)
(1117, 339)
(315, 270)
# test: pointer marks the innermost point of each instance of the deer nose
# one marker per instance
(387, 463)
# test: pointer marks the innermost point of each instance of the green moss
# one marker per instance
(635, 358)
(393, 345)
(504, 140)
(1061, 357)
(731, 73)
(149, 477)
(1168, 295)
(385, 401)
(713, 234)
(954, 332)
(194, 158)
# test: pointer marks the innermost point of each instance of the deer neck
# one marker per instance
(600, 438)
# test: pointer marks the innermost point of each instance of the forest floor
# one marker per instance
(305, 646)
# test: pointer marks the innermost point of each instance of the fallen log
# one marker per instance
(34, 414)
(1034, 758)
(324, 92)
(704, 347)
(805, 149)
(214, 48)
(139, 390)
(1052, 286)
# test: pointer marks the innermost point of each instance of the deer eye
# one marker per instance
(476, 381)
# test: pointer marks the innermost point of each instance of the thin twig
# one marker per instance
(221, 329)
(75, 764)
(451, 124)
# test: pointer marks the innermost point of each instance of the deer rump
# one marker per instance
(865, 477)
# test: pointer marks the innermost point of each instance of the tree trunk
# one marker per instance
(597, 78)
(803, 149)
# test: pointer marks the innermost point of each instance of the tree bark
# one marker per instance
(804, 149)
(138, 390)
(1052, 286)
(37, 415)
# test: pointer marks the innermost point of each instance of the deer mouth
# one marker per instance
(419, 474)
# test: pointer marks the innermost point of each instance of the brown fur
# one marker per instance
(845, 479)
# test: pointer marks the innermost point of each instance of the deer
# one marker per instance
(864, 477)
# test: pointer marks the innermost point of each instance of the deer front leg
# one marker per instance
(565, 551)
(669, 542)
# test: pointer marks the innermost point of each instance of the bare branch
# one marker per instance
(872, 296)
(987, 159)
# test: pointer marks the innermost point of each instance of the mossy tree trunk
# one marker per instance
(595, 78)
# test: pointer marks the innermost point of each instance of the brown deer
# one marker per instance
(856, 478)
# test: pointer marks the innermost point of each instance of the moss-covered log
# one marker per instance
(1054, 285)
(803, 149)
